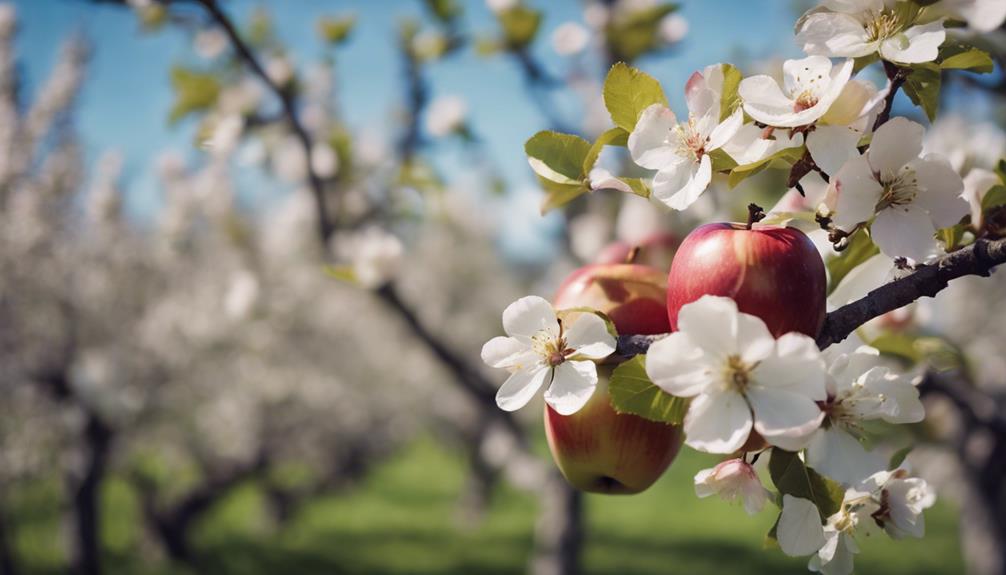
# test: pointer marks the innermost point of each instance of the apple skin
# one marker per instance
(597, 449)
(772, 272)
(656, 250)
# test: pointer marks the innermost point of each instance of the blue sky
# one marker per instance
(125, 100)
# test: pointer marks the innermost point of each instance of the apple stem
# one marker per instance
(755, 214)
(630, 258)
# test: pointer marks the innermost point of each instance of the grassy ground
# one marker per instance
(402, 519)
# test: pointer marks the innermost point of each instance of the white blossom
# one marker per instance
(810, 87)
(966, 144)
(280, 70)
(539, 349)
(446, 115)
(680, 151)
(911, 196)
(856, 28)
(859, 390)
(673, 28)
(977, 183)
(210, 42)
(739, 376)
(375, 254)
(981, 15)
(570, 38)
(733, 479)
(324, 160)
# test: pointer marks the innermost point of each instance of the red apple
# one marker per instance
(772, 272)
(597, 449)
(656, 250)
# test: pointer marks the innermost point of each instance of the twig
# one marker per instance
(286, 97)
(897, 76)
(978, 259)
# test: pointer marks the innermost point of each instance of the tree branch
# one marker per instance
(897, 76)
(978, 259)
(286, 98)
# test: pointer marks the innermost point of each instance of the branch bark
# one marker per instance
(8, 565)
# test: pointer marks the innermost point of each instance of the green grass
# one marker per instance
(403, 519)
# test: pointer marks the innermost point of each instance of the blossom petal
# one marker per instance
(764, 100)
(711, 324)
(857, 192)
(799, 531)
(916, 45)
(520, 387)
(678, 366)
(834, 34)
(779, 412)
(832, 146)
(528, 316)
(940, 189)
(726, 130)
(863, 279)
(649, 141)
(894, 145)
(904, 231)
(681, 184)
(588, 335)
(717, 423)
(573, 384)
(507, 352)
(841, 457)
(796, 366)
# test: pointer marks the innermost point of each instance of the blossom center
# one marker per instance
(552, 349)
(691, 142)
(806, 100)
(883, 25)
(737, 373)
(899, 190)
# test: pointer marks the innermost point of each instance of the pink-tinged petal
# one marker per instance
(507, 352)
(833, 146)
(799, 531)
(724, 132)
(711, 324)
(702, 102)
(780, 412)
(904, 231)
(696, 83)
(940, 191)
(588, 336)
(916, 45)
(717, 423)
(894, 145)
(837, 35)
(528, 316)
(651, 141)
(856, 193)
(678, 366)
(573, 384)
(680, 185)
(520, 387)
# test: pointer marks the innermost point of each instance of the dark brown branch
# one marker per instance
(286, 98)
(977, 259)
(897, 76)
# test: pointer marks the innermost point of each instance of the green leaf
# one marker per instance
(786, 156)
(864, 61)
(613, 137)
(638, 185)
(730, 98)
(632, 392)
(923, 88)
(560, 194)
(194, 91)
(335, 29)
(792, 477)
(899, 457)
(996, 196)
(957, 55)
(636, 32)
(722, 162)
(1001, 170)
(951, 236)
(444, 10)
(520, 25)
(897, 344)
(558, 157)
(860, 249)
(341, 273)
(627, 92)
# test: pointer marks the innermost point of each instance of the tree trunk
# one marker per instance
(7, 564)
(482, 477)
(86, 551)
(558, 533)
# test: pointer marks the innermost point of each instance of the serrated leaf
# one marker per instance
(730, 97)
(562, 154)
(612, 137)
(560, 194)
(792, 477)
(957, 55)
(627, 92)
(632, 392)
(860, 249)
(923, 88)
(520, 25)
